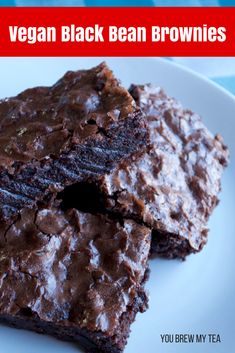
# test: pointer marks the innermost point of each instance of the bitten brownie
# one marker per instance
(51, 137)
(73, 275)
(172, 186)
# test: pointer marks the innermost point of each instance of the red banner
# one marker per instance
(109, 31)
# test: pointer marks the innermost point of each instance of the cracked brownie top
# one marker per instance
(53, 136)
(172, 186)
(72, 268)
(45, 121)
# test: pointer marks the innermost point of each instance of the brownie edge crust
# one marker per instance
(73, 275)
(52, 137)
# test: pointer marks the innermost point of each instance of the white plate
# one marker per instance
(192, 297)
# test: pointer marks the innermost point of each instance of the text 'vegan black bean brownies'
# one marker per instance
(88, 172)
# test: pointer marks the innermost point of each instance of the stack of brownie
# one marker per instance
(94, 179)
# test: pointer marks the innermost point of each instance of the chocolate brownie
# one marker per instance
(172, 185)
(51, 137)
(73, 275)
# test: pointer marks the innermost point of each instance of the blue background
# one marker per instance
(117, 2)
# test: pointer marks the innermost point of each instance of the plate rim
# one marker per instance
(197, 75)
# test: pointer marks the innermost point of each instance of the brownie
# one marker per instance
(73, 275)
(172, 185)
(52, 137)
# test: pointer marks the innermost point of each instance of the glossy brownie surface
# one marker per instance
(75, 270)
(51, 137)
(173, 185)
(47, 120)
